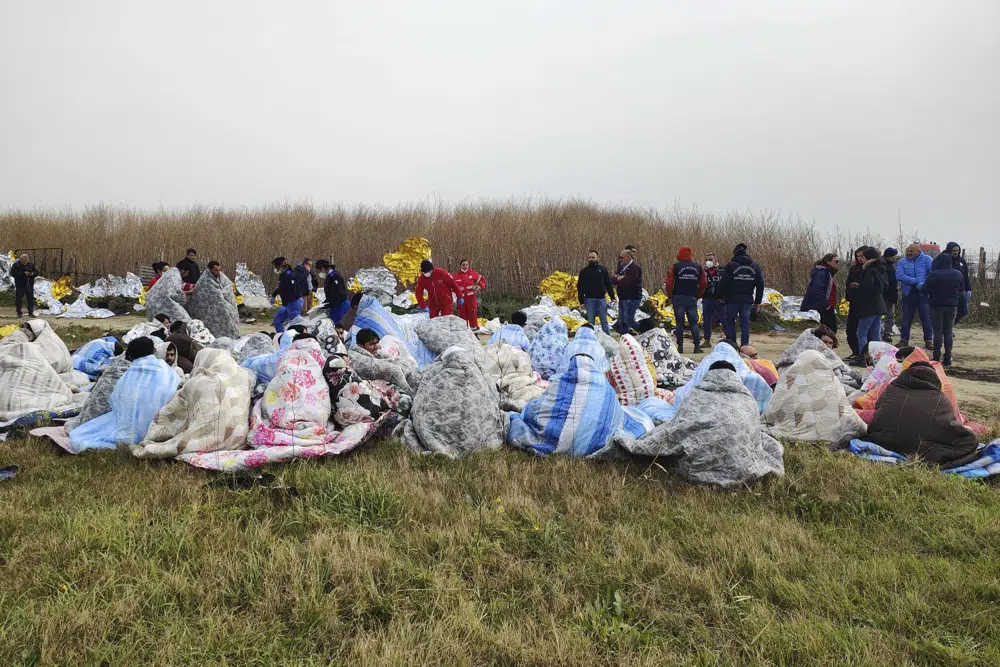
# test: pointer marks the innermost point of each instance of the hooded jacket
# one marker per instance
(593, 283)
(854, 277)
(911, 273)
(944, 283)
(687, 277)
(742, 280)
(187, 348)
(821, 294)
(959, 263)
(914, 416)
(334, 288)
(868, 300)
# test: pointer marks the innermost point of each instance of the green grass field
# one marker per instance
(388, 558)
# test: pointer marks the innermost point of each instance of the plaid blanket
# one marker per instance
(210, 412)
(29, 384)
(987, 465)
(143, 389)
(214, 303)
(715, 434)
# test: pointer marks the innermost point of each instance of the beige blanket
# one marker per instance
(510, 368)
(28, 383)
(51, 346)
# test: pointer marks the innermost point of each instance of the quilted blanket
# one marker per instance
(548, 346)
(672, 370)
(509, 367)
(98, 401)
(40, 333)
(214, 303)
(512, 334)
(986, 465)
(850, 378)
(373, 315)
(756, 385)
(28, 384)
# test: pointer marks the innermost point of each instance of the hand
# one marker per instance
(756, 307)
(854, 285)
(427, 310)
(461, 301)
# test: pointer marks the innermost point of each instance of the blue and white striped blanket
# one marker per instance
(140, 393)
(577, 415)
(585, 342)
(92, 358)
(513, 334)
(373, 315)
(757, 385)
(987, 465)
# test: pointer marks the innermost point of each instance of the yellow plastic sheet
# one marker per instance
(483, 322)
(561, 287)
(354, 286)
(239, 297)
(62, 288)
(142, 296)
(774, 298)
(843, 308)
(572, 324)
(7, 330)
(660, 308)
(405, 261)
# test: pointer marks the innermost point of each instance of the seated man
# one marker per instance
(761, 367)
(513, 332)
(914, 417)
(187, 347)
(368, 341)
(715, 433)
(370, 363)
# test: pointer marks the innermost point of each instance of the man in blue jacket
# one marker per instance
(911, 273)
(943, 286)
(958, 262)
(290, 292)
(742, 286)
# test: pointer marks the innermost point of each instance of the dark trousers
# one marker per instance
(888, 320)
(686, 307)
(626, 315)
(741, 312)
(22, 294)
(828, 318)
(914, 303)
(852, 331)
(712, 311)
(943, 322)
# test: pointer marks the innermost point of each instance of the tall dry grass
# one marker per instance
(514, 244)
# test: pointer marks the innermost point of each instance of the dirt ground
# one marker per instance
(976, 372)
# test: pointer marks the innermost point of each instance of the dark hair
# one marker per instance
(921, 364)
(162, 318)
(872, 253)
(298, 328)
(213, 263)
(722, 364)
(139, 348)
(356, 299)
(322, 264)
(903, 352)
(519, 318)
(587, 325)
(178, 326)
(366, 336)
(645, 324)
(826, 259)
(461, 261)
(191, 250)
(823, 330)
(860, 249)
(278, 262)
(594, 251)
(159, 333)
(118, 349)
(158, 266)
(306, 260)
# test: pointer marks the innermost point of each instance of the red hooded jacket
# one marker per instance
(686, 265)
(439, 287)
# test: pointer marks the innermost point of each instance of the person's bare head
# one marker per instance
(626, 256)
(23, 258)
(593, 257)
(912, 251)
(749, 351)
(215, 269)
(192, 254)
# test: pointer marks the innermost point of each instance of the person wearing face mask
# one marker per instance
(434, 290)
(470, 283)
(713, 307)
(821, 295)
(290, 292)
(911, 273)
(334, 291)
(592, 285)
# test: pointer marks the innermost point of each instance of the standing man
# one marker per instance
(712, 307)
(943, 288)
(911, 272)
(891, 295)
(592, 285)
(958, 262)
(439, 286)
(685, 284)
(628, 280)
(290, 292)
(470, 284)
(742, 287)
(304, 275)
(334, 291)
(23, 272)
(190, 264)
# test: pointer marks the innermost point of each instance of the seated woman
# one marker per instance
(92, 357)
(140, 393)
(715, 434)
(513, 332)
(824, 341)
(914, 417)
(210, 413)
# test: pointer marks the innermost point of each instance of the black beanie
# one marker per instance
(740, 249)
(426, 266)
(139, 348)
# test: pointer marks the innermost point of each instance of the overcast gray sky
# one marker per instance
(838, 111)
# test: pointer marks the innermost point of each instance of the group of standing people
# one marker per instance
(935, 290)
(728, 294)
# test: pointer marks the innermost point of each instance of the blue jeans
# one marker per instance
(597, 308)
(712, 311)
(741, 311)
(626, 315)
(913, 303)
(686, 306)
(287, 313)
(337, 312)
(869, 329)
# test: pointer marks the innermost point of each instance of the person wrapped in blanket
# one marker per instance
(143, 389)
(914, 417)
(187, 347)
(513, 332)
(92, 357)
(761, 367)
(355, 400)
(388, 361)
(577, 415)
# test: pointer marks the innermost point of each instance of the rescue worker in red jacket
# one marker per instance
(439, 286)
(471, 284)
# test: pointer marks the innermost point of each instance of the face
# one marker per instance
(464, 266)
(164, 269)
(835, 261)
(912, 251)
(749, 351)
(624, 258)
(371, 346)
(216, 270)
(308, 265)
(592, 258)
(710, 257)
(171, 356)
(185, 273)
(192, 256)
(859, 256)
(23, 259)
(829, 342)
(956, 252)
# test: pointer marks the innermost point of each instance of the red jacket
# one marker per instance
(466, 281)
(439, 287)
(684, 255)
